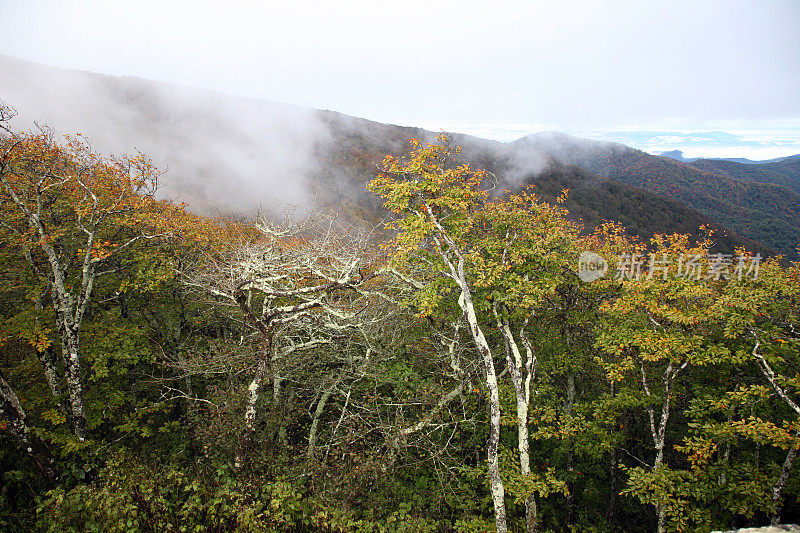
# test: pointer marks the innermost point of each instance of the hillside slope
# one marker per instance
(785, 173)
(239, 155)
(765, 212)
(592, 198)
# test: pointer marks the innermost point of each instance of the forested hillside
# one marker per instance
(447, 369)
(242, 156)
(593, 198)
(766, 210)
(785, 173)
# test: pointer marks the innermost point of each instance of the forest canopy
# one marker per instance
(445, 370)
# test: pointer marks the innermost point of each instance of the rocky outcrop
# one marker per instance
(767, 529)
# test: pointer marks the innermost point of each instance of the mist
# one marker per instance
(229, 154)
(217, 152)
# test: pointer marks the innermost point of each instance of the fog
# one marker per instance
(217, 152)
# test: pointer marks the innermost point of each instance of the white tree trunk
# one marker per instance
(777, 489)
(521, 391)
(769, 374)
(69, 332)
(75, 389)
(11, 409)
(250, 411)
(48, 360)
(498, 491)
(312, 432)
(467, 306)
(659, 433)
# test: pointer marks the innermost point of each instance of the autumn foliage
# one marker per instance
(448, 370)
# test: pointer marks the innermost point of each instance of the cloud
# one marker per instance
(754, 140)
(218, 152)
(581, 64)
(753, 143)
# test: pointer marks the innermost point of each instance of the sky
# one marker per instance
(500, 69)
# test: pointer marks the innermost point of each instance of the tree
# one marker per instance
(663, 322)
(761, 312)
(12, 410)
(527, 249)
(438, 201)
(287, 284)
(71, 212)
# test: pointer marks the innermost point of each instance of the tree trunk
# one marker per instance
(75, 389)
(612, 493)
(253, 391)
(662, 519)
(282, 435)
(48, 359)
(777, 489)
(571, 454)
(468, 307)
(312, 433)
(11, 410)
(523, 443)
(514, 364)
(768, 373)
(660, 433)
(498, 491)
(69, 332)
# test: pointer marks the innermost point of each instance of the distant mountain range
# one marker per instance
(677, 155)
(763, 210)
(238, 155)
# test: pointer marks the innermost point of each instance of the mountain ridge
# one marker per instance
(677, 155)
(236, 154)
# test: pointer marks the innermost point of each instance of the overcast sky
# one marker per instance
(569, 65)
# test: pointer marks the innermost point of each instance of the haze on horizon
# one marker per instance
(490, 69)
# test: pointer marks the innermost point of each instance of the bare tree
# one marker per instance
(288, 284)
